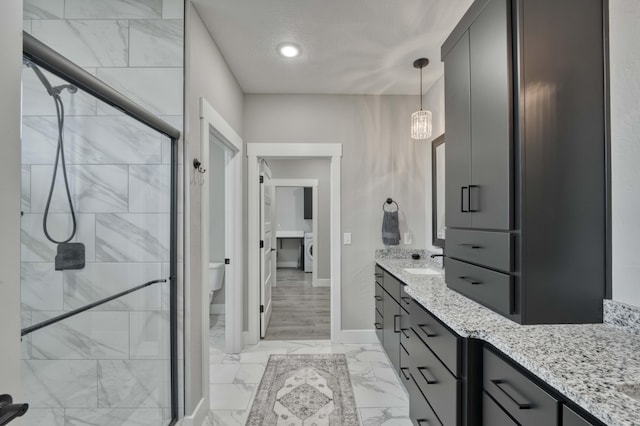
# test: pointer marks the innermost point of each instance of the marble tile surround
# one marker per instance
(110, 365)
(380, 397)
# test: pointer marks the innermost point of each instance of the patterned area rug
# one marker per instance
(305, 390)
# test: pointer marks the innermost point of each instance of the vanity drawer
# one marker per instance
(492, 289)
(493, 414)
(526, 402)
(392, 286)
(379, 275)
(487, 248)
(379, 326)
(405, 299)
(437, 384)
(443, 342)
(571, 418)
(379, 297)
(420, 411)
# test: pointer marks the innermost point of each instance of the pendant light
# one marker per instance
(421, 120)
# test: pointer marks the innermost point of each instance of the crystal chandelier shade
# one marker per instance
(421, 120)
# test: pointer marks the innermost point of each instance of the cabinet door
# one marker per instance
(391, 332)
(458, 150)
(491, 118)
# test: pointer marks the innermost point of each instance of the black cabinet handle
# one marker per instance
(378, 298)
(406, 300)
(469, 199)
(377, 275)
(9, 410)
(462, 188)
(423, 422)
(378, 326)
(404, 331)
(427, 330)
(396, 328)
(472, 246)
(513, 394)
(402, 371)
(470, 280)
(430, 379)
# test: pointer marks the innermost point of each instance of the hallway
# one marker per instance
(300, 311)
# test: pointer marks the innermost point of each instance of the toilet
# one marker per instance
(216, 278)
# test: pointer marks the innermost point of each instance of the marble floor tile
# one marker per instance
(249, 373)
(223, 373)
(231, 396)
(113, 416)
(379, 393)
(228, 417)
(385, 417)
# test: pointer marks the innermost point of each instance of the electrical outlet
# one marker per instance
(408, 238)
(346, 239)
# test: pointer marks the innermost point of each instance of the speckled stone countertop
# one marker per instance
(591, 364)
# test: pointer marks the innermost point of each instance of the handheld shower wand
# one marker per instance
(70, 255)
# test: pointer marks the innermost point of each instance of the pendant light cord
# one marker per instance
(421, 88)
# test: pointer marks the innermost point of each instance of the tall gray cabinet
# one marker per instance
(527, 158)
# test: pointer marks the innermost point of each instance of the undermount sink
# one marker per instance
(422, 271)
(632, 391)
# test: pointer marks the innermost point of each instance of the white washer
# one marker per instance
(308, 252)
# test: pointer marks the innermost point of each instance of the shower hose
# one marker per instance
(54, 92)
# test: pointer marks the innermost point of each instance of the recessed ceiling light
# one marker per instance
(289, 50)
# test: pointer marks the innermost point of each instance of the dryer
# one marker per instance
(308, 252)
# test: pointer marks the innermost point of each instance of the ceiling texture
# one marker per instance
(348, 46)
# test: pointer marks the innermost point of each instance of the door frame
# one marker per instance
(212, 122)
(256, 152)
(313, 183)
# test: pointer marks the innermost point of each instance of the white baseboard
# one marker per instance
(356, 336)
(216, 308)
(199, 415)
(323, 282)
(291, 264)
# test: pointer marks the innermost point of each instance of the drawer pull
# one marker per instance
(396, 328)
(378, 298)
(469, 199)
(378, 326)
(427, 330)
(430, 380)
(472, 246)
(404, 331)
(406, 299)
(377, 275)
(512, 394)
(402, 371)
(470, 280)
(423, 422)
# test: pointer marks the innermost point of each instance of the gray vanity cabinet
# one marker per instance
(477, 102)
(527, 158)
(391, 319)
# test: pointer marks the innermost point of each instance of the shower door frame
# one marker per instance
(50, 60)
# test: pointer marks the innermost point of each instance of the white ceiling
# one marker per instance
(348, 46)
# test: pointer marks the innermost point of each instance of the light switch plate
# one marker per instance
(346, 239)
(408, 238)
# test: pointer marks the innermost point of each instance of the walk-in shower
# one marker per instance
(99, 258)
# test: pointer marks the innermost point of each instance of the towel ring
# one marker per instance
(390, 201)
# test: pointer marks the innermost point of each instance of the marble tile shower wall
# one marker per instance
(108, 365)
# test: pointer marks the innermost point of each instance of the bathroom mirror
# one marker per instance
(437, 191)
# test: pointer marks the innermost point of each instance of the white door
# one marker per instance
(266, 244)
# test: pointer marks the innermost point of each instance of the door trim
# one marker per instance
(211, 122)
(255, 152)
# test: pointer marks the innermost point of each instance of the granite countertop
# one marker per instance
(588, 363)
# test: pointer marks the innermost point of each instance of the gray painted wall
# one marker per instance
(379, 160)
(312, 169)
(209, 76)
(625, 140)
(11, 48)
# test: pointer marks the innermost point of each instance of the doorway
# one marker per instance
(300, 305)
(273, 152)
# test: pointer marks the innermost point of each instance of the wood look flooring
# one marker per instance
(300, 311)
